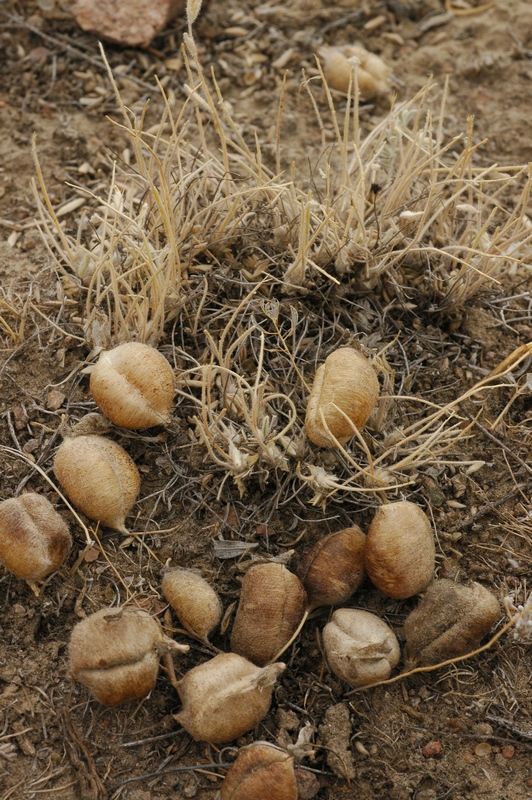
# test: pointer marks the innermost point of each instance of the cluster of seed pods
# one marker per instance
(115, 652)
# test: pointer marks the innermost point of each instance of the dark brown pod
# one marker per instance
(334, 568)
(449, 621)
(34, 539)
(400, 550)
(272, 604)
(261, 771)
(115, 652)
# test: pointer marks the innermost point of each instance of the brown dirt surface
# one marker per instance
(463, 732)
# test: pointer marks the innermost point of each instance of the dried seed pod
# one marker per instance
(261, 771)
(99, 477)
(194, 600)
(133, 384)
(272, 605)
(344, 394)
(34, 539)
(400, 550)
(450, 621)
(339, 69)
(360, 647)
(115, 653)
(334, 568)
(225, 697)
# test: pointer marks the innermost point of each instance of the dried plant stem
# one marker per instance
(292, 638)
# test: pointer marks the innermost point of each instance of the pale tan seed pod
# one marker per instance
(133, 384)
(99, 477)
(115, 653)
(360, 648)
(261, 771)
(225, 697)
(450, 621)
(34, 539)
(344, 393)
(400, 550)
(334, 568)
(372, 73)
(272, 605)
(194, 600)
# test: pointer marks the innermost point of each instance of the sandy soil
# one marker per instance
(54, 739)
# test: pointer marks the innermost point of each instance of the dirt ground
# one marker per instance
(54, 739)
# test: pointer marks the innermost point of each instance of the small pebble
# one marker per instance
(431, 749)
(308, 785)
(508, 751)
(55, 400)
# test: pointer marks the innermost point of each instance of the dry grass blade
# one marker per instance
(193, 9)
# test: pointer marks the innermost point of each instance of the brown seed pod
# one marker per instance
(361, 649)
(193, 599)
(133, 384)
(400, 550)
(99, 477)
(225, 697)
(344, 394)
(115, 653)
(449, 621)
(34, 539)
(272, 605)
(261, 771)
(339, 69)
(334, 568)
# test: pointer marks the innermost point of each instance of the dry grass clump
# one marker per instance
(203, 235)
(398, 203)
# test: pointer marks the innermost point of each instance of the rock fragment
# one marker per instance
(134, 23)
(335, 734)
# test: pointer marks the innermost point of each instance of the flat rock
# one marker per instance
(133, 23)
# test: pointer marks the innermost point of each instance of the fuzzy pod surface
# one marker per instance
(193, 599)
(343, 395)
(115, 653)
(261, 771)
(334, 568)
(400, 550)
(272, 604)
(99, 477)
(360, 647)
(133, 384)
(371, 71)
(450, 620)
(34, 538)
(225, 697)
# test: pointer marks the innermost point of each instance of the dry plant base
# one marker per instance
(400, 212)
